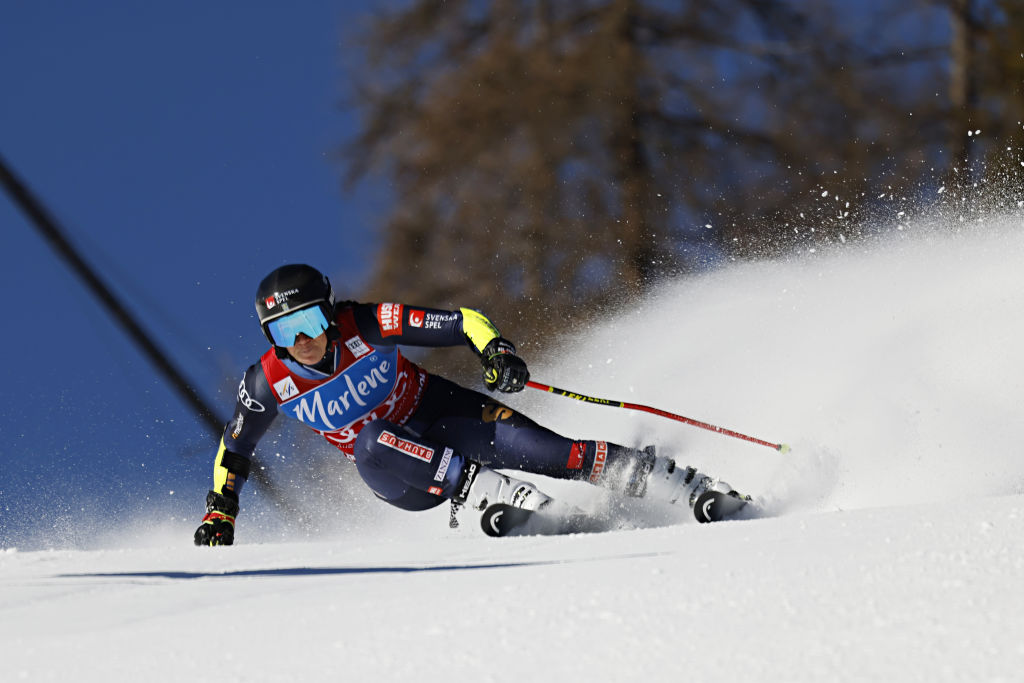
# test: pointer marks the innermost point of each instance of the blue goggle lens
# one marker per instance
(309, 321)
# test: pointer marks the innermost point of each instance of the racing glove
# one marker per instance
(218, 527)
(503, 369)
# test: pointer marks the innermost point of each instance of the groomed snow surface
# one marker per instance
(890, 546)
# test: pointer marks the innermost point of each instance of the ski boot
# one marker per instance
(506, 503)
(659, 478)
(480, 487)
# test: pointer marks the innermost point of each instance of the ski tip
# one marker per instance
(715, 506)
(783, 448)
(500, 519)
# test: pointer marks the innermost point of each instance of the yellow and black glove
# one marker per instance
(503, 369)
(218, 527)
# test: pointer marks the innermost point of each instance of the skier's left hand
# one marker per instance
(503, 369)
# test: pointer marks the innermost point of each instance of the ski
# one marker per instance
(715, 506)
(505, 520)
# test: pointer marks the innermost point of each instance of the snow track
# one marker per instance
(927, 592)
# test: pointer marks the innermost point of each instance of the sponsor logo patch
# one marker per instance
(467, 482)
(248, 401)
(576, 454)
(436, 321)
(442, 469)
(239, 423)
(416, 318)
(390, 318)
(600, 456)
(338, 401)
(286, 388)
(416, 450)
(436, 490)
(357, 347)
(278, 298)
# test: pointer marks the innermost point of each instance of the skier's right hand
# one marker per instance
(218, 527)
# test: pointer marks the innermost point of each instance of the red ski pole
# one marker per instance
(780, 447)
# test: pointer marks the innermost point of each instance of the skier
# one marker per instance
(417, 439)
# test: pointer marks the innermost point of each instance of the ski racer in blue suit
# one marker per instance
(417, 439)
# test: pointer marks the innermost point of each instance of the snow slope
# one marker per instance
(891, 547)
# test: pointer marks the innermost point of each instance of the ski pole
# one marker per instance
(780, 447)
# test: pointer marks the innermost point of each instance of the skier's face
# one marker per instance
(307, 350)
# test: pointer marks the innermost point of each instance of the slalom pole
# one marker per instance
(780, 447)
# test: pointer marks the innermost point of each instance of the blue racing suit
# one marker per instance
(409, 432)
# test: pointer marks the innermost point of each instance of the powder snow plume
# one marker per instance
(893, 368)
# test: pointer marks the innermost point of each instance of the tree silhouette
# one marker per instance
(549, 160)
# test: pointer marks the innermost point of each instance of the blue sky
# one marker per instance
(187, 148)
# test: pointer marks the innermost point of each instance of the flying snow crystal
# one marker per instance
(825, 193)
(942, 189)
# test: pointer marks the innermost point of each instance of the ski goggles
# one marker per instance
(309, 321)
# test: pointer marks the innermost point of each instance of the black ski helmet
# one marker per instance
(290, 288)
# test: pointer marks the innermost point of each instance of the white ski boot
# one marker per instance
(480, 487)
(660, 479)
(667, 482)
(670, 483)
